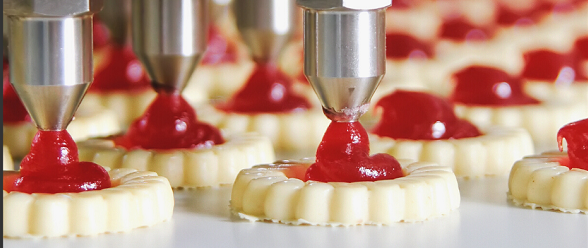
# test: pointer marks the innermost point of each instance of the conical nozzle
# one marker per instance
(169, 38)
(266, 26)
(50, 56)
(344, 54)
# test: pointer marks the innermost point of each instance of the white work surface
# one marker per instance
(484, 219)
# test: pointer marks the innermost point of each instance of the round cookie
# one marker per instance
(185, 168)
(274, 192)
(136, 199)
(492, 153)
(295, 131)
(542, 182)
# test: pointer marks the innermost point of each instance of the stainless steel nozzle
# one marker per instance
(265, 26)
(169, 38)
(344, 53)
(50, 56)
(116, 14)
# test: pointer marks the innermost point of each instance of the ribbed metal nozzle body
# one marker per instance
(169, 38)
(50, 63)
(344, 58)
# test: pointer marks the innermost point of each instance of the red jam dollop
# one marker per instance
(459, 29)
(581, 48)
(420, 116)
(268, 90)
(343, 156)
(100, 34)
(576, 136)
(551, 66)
(401, 46)
(13, 109)
(480, 85)
(52, 166)
(169, 123)
(219, 49)
(122, 71)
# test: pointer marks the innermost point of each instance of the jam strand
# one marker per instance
(122, 71)
(169, 123)
(479, 85)
(460, 30)
(268, 90)
(53, 166)
(420, 116)
(343, 156)
(576, 136)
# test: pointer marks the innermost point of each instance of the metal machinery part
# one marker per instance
(50, 56)
(344, 53)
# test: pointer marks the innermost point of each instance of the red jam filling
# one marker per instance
(576, 136)
(507, 16)
(459, 29)
(581, 48)
(122, 71)
(13, 109)
(343, 156)
(100, 34)
(479, 85)
(169, 123)
(52, 166)
(420, 116)
(400, 46)
(550, 66)
(268, 90)
(219, 49)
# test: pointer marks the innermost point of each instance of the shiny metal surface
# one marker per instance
(116, 14)
(344, 57)
(50, 56)
(169, 37)
(265, 26)
(347, 4)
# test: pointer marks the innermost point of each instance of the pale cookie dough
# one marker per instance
(492, 153)
(575, 92)
(136, 199)
(542, 120)
(185, 168)
(542, 182)
(217, 81)
(7, 163)
(88, 122)
(274, 192)
(127, 105)
(294, 131)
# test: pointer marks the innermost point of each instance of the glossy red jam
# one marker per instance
(219, 49)
(581, 48)
(507, 16)
(550, 66)
(479, 85)
(401, 46)
(268, 90)
(576, 136)
(420, 116)
(122, 71)
(169, 123)
(343, 156)
(460, 30)
(13, 109)
(52, 166)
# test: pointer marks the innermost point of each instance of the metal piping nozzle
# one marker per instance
(50, 56)
(169, 38)
(265, 26)
(344, 53)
